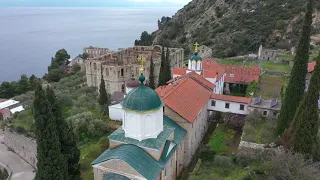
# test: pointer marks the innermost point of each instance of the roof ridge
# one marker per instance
(201, 83)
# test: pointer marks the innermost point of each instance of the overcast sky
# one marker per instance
(93, 3)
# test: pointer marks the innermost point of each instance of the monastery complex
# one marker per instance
(162, 129)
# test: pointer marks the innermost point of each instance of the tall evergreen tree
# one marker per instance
(67, 138)
(306, 121)
(103, 97)
(296, 86)
(151, 76)
(51, 165)
(162, 69)
(167, 67)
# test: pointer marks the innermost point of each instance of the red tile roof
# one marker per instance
(186, 97)
(311, 66)
(231, 98)
(241, 74)
(195, 76)
(211, 69)
(179, 71)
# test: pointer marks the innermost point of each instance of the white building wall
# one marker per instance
(116, 112)
(233, 107)
(212, 80)
(143, 126)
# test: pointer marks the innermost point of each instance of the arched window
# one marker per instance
(122, 73)
(94, 66)
(123, 88)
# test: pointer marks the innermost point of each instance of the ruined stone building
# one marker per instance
(205, 52)
(95, 51)
(117, 67)
(267, 54)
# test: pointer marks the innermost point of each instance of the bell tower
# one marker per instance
(195, 61)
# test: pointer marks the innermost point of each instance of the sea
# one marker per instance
(29, 37)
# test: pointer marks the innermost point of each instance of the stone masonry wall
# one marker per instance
(23, 146)
(117, 167)
(117, 67)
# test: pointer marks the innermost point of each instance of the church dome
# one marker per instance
(133, 83)
(195, 57)
(142, 99)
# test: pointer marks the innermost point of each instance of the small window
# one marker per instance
(265, 113)
(213, 103)
(122, 73)
(231, 75)
(275, 113)
(241, 107)
(227, 105)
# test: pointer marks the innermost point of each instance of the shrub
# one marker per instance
(97, 128)
(217, 142)
(292, 166)
(76, 110)
(104, 143)
(20, 129)
(223, 162)
(22, 115)
(252, 88)
(65, 100)
(84, 125)
(3, 174)
(206, 154)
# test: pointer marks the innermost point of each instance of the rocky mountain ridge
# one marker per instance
(236, 27)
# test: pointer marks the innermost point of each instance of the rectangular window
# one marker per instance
(227, 105)
(241, 107)
(213, 103)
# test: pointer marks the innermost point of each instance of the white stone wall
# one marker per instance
(23, 146)
(116, 112)
(233, 107)
(143, 126)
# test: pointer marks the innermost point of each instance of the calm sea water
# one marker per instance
(29, 37)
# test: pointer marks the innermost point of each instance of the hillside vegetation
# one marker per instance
(235, 27)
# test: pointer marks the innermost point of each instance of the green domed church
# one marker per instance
(148, 145)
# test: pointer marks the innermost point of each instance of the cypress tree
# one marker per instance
(306, 121)
(151, 76)
(103, 97)
(51, 163)
(296, 86)
(67, 139)
(167, 67)
(162, 69)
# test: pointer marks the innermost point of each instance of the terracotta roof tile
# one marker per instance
(195, 76)
(186, 97)
(231, 98)
(241, 74)
(311, 66)
(211, 69)
(179, 71)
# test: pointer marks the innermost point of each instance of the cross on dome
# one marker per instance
(196, 47)
(141, 60)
